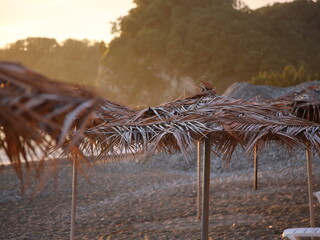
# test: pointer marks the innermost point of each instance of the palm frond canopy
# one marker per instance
(57, 114)
(37, 113)
(304, 103)
(176, 125)
(109, 111)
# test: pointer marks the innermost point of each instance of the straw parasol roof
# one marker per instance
(60, 115)
(304, 103)
(175, 126)
(38, 114)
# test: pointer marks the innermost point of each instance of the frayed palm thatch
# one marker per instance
(55, 114)
(177, 125)
(110, 111)
(38, 114)
(304, 103)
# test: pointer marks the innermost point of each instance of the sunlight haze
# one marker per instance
(62, 19)
(253, 4)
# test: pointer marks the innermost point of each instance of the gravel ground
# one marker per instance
(156, 199)
(247, 91)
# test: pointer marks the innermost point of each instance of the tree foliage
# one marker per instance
(289, 76)
(72, 61)
(220, 40)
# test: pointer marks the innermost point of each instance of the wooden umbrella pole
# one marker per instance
(310, 185)
(199, 180)
(255, 165)
(73, 201)
(206, 190)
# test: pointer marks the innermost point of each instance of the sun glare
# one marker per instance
(59, 19)
(253, 4)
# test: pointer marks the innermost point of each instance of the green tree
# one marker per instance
(222, 40)
(71, 61)
(289, 76)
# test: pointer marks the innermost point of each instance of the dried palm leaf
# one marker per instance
(304, 103)
(38, 114)
(175, 126)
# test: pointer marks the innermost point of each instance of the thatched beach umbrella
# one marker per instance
(207, 99)
(66, 116)
(305, 104)
(222, 122)
(38, 114)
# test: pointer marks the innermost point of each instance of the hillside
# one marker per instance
(74, 61)
(162, 48)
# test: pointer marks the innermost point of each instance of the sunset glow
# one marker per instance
(62, 19)
(59, 19)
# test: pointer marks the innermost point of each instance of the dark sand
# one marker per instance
(134, 201)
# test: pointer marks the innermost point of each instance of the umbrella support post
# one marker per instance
(206, 189)
(73, 201)
(199, 180)
(255, 166)
(310, 185)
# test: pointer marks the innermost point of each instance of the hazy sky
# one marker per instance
(62, 19)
